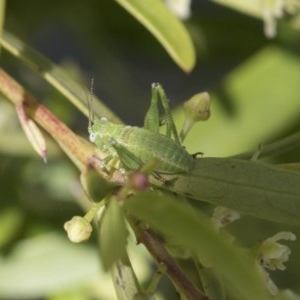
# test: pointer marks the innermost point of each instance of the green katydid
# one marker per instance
(136, 146)
(249, 187)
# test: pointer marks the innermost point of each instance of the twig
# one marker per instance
(80, 152)
(155, 246)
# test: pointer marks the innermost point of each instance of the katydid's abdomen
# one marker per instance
(148, 145)
(144, 144)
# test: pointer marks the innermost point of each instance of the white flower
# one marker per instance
(274, 10)
(180, 8)
(272, 254)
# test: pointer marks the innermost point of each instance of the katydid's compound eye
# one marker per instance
(92, 137)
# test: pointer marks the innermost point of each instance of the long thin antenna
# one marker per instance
(90, 103)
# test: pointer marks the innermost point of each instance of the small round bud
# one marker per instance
(78, 229)
(139, 181)
(198, 107)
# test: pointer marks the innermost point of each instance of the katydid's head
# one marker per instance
(98, 128)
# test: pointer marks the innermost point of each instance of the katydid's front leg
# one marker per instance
(171, 127)
(151, 121)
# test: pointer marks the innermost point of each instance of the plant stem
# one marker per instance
(277, 147)
(155, 246)
(80, 152)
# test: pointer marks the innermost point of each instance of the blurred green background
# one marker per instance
(254, 84)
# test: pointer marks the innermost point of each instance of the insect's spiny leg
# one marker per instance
(151, 121)
(171, 127)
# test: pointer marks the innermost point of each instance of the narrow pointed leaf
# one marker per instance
(32, 132)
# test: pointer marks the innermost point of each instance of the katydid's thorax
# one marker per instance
(144, 144)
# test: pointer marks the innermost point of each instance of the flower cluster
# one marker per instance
(272, 255)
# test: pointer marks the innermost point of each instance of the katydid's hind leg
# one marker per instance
(151, 121)
(171, 127)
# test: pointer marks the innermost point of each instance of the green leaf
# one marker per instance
(248, 187)
(112, 235)
(2, 15)
(194, 231)
(95, 185)
(212, 283)
(166, 28)
(55, 75)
